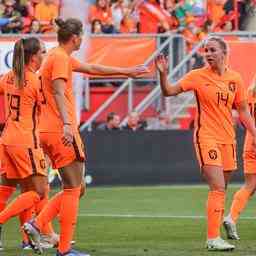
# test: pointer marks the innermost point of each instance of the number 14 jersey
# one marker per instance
(22, 109)
(215, 96)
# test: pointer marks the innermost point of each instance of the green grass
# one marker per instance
(144, 221)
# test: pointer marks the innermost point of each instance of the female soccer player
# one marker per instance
(216, 89)
(242, 196)
(59, 131)
(23, 158)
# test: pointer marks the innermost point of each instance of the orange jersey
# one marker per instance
(215, 96)
(248, 136)
(22, 110)
(1, 155)
(58, 65)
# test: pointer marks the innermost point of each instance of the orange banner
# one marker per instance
(242, 58)
(121, 52)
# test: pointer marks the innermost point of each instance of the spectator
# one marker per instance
(15, 24)
(101, 11)
(226, 23)
(162, 123)
(183, 10)
(46, 12)
(96, 27)
(128, 23)
(35, 27)
(191, 32)
(152, 16)
(117, 10)
(26, 12)
(113, 123)
(133, 122)
(215, 10)
(206, 28)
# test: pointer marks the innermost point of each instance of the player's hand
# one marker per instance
(161, 63)
(68, 136)
(136, 71)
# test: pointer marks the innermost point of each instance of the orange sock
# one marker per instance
(5, 194)
(24, 217)
(239, 202)
(68, 217)
(18, 205)
(47, 229)
(215, 207)
(49, 212)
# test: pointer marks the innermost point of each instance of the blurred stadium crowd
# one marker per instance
(28, 16)
(193, 18)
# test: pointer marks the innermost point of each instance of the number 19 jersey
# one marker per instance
(215, 95)
(22, 109)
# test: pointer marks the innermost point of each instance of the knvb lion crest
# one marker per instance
(232, 86)
(213, 154)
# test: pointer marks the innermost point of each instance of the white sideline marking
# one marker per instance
(151, 216)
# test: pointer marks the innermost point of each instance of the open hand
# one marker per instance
(161, 63)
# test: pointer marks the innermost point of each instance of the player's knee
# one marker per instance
(218, 187)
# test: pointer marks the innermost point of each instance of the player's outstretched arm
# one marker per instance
(95, 69)
(167, 88)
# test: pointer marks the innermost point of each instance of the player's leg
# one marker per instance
(65, 203)
(242, 196)
(240, 200)
(210, 160)
(7, 188)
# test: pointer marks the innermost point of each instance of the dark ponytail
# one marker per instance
(24, 49)
(18, 63)
(67, 28)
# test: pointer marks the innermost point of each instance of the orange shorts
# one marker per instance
(249, 158)
(20, 162)
(223, 155)
(59, 154)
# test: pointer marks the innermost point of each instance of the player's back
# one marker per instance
(58, 65)
(22, 110)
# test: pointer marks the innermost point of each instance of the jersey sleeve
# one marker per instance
(60, 67)
(76, 64)
(240, 92)
(189, 81)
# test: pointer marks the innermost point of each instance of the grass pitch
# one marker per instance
(145, 221)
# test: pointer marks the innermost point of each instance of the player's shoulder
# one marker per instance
(57, 52)
(7, 76)
(197, 71)
(234, 75)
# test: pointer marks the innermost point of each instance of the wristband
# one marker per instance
(67, 123)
